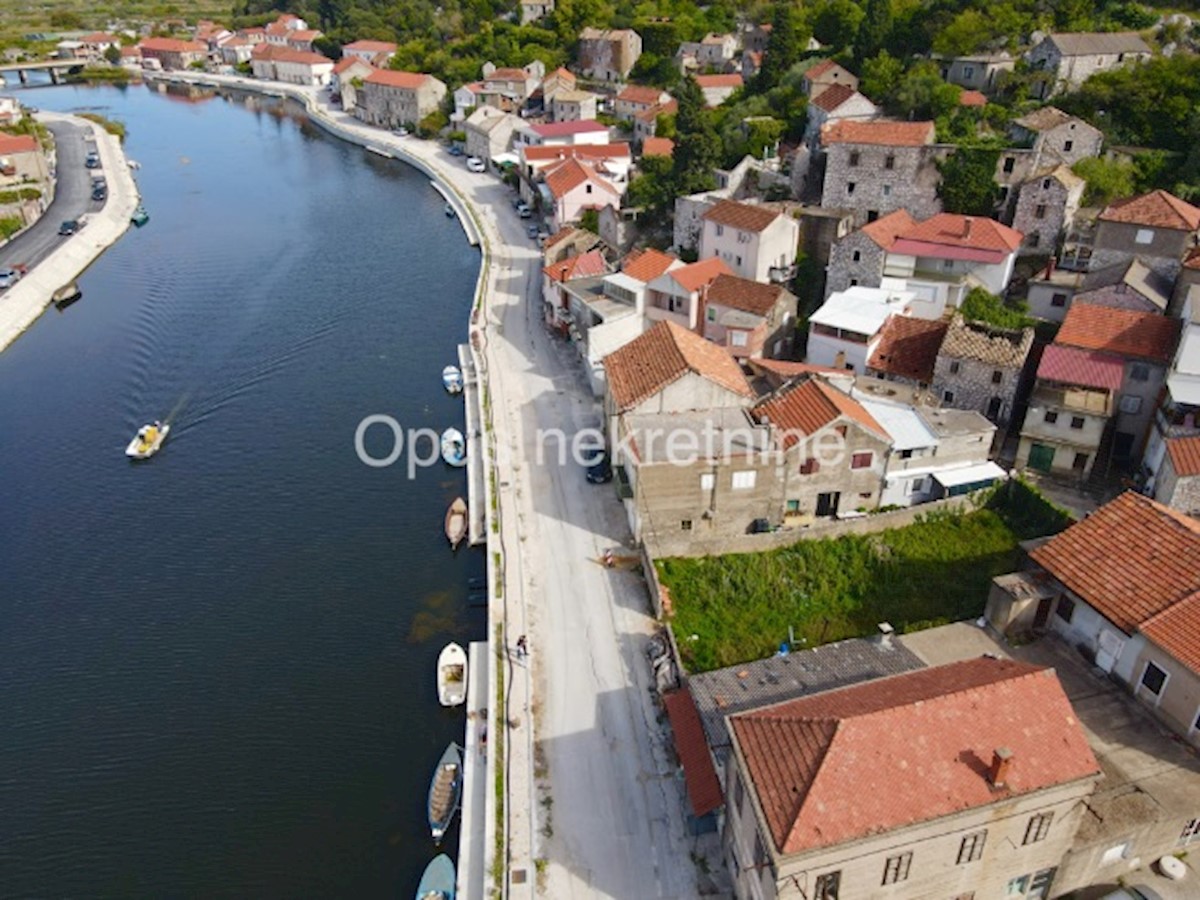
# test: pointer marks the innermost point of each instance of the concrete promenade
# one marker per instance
(24, 302)
(592, 805)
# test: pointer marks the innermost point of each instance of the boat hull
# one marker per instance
(142, 448)
(452, 676)
(452, 380)
(438, 881)
(445, 792)
(456, 522)
(454, 447)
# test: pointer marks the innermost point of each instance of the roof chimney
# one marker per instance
(1001, 763)
(884, 639)
(1050, 267)
(967, 220)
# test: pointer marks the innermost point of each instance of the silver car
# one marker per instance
(8, 277)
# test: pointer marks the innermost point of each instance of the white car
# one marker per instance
(475, 164)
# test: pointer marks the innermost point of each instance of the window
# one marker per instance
(889, 161)
(685, 525)
(744, 481)
(1067, 145)
(737, 338)
(737, 794)
(1039, 211)
(872, 215)
(720, 230)
(1038, 828)
(1051, 417)
(887, 190)
(968, 72)
(1045, 184)
(906, 454)
(849, 187)
(1138, 372)
(1077, 422)
(1058, 300)
(1017, 886)
(997, 376)
(971, 848)
(947, 396)
(861, 460)
(1131, 404)
(793, 507)
(954, 367)
(1065, 609)
(1034, 239)
(1080, 462)
(853, 282)
(854, 157)
(1154, 679)
(711, 314)
(856, 256)
(707, 481)
(896, 868)
(827, 886)
(1009, 162)
(810, 467)
(737, 260)
(587, 189)
(1144, 236)
(947, 264)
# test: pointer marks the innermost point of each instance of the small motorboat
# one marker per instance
(148, 441)
(438, 881)
(452, 380)
(66, 295)
(445, 792)
(456, 522)
(454, 447)
(449, 211)
(140, 217)
(452, 675)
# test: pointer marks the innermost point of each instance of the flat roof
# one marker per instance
(986, 471)
(860, 309)
(907, 429)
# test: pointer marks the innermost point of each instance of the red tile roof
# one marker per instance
(17, 143)
(658, 109)
(278, 53)
(303, 36)
(699, 274)
(569, 174)
(881, 132)
(577, 151)
(972, 98)
(585, 265)
(346, 62)
(1124, 332)
(753, 297)
(972, 232)
(819, 69)
(646, 265)
(1177, 630)
(410, 81)
(743, 216)
(788, 369)
(807, 407)
(641, 94)
(171, 45)
(716, 81)
(1185, 455)
(1070, 365)
(1192, 260)
(886, 229)
(1130, 559)
(1157, 209)
(852, 763)
(372, 46)
(658, 146)
(699, 774)
(834, 96)
(663, 355)
(908, 348)
(564, 129)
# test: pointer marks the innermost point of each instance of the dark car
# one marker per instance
(92, 161)
(100, 192)
(456, 150)
(599, 470)
(69, 227)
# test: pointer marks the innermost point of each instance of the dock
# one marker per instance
(476, 494)
(472, 841)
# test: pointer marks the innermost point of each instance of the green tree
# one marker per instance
(836, 22)
(589, 220)
(968, 183)
(922, 94)
(881, 76)
(789, 37)
(1107, 180)
(697, 147)
(874, 30)
(113, 55)
(651, 189)
(327, 46)
(981, 306)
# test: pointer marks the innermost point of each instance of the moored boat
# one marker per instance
(452, 675)
(449, 211)
(445, 792)
(140, 217)
(66, 295)
(438, 881)
(148, 441)
(456, 522)
(454, 447)
(452, 380)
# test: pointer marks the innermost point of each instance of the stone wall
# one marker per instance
(972, 386)
(910, 182)
(1116, 242)
(1057, 206)
(844, 270)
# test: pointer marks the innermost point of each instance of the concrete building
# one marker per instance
(1158, 228)
(391, 98)
(534, 10)
(718, 88)
(610, 161)
(489, 132)
(273, 62)
(996, 827)
(878, 167)
(934, 453)
(561, 134)
(756, 242)
(845, 332)
(1070, 59)
(636, 98)
(1056, 137)
(1046, 208)
(573, 186)
(978, 71)
(573, 106)
(825, 74)
(749, 318)
(22, 160)
(979, 367)
(374, 53)
(838, 102)
(677, 295)
(557, 277)
(1178, 412)
(608, 55)
(172, 53)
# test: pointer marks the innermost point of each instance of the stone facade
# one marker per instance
(1046, 206)
(608, 55)
(489, 132)
(1162, 249)
(1071, 59)
(854, 260)
(1181, 492)
(874, 180)
(390, 99)
(979, 367)
(978, 72)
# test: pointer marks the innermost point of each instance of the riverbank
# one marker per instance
(23, 303)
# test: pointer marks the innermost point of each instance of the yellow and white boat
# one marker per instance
(147, 441)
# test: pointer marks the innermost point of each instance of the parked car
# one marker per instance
(70, 226)
(524, 210)
(599, 469)
(93, 160)
(8, 277)
(400, 132)
(475, 164)
(456, 150)
(99, 193)
(532, 231)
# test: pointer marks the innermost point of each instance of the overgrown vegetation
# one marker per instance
(740, 607)
(982, 306)
(10, 225)
(110, 125)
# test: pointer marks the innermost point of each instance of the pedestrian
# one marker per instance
(522, 647)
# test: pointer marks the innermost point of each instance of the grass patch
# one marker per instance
(101, 75)
(937, 570)
(109, 125)
(500, 717)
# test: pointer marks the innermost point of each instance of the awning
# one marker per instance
(699, 774)
(506, 159)
(980, 473)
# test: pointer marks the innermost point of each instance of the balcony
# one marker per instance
(1075, 400)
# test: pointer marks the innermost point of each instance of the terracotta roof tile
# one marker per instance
(880, 131)
(1130, 559)
(171, 45)
(565, 129)
(1192, 260)
(699, 774)
(1185, 455)
(641, 94)
(972, 98)
(658, 146)
(646, 265)
(908, 348)
(696, 275)
(571, 173)
(278, 53)
(954, 230)
(585, 265)
(372, 46)
(663, 355)
(1007, 347)
(1070, 365)
(912, 748)
(834, 96)
(807, 407)
(395, 78)
(658, 109)
(1124, 332)
(884, 230)
(818, 69)
(743, 216)
(1177, 630)
(715, 81)
(753, 297)
(1157, 209)
(18, 143)
(788, 369)
(561, 235)
(576, 151)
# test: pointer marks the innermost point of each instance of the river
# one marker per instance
(217, 667)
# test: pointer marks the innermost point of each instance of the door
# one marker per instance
(1123, 446)
(1041, 457)
(827, 504)
(1043, 612)
(993, 410)
(1109, 651)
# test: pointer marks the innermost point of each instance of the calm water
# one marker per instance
(217, 667)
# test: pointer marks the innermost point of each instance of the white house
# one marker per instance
(846, 329)
(466, 98)
(568, 133)
(375, 53)
(718, 88)
(573, 186)
(757, 242)
(275, 63)
(678, 294)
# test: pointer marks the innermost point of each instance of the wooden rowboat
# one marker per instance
(456, 522)
(445, 792)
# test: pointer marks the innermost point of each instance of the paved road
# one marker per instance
(72, 198)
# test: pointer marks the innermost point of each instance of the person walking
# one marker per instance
(522, 647)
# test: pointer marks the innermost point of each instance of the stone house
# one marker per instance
(645, 123)
(718, 88)
(346, 77)
(275, 63)
(825, 74)
(558, 81)
(860, 257)
(834, 452)
(573, 106)
(757, 242)
(998, 826)
(172, 53)
(1046, 207)
(303, 40)
(846, 330)
(636, 98)
(1070, 59)
(235, 51)
(1132, 285)
(618, 227)
(608, 55)
(489, 132)
(978, 71)
(756, 37)
(716, 50)
(1056, 136)
(567, 242)
(374, 53)
(1158, 228)
(979, 367)
(509, 88)
(749, 318)
(877, 167)
(390, 98)
(533, 10)
(907, 350)
(677, 295)
(1177, 484)
(836, 103)
(466, 98)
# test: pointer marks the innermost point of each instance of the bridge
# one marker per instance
(56, 68)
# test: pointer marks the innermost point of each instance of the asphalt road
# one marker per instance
(72, 198)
